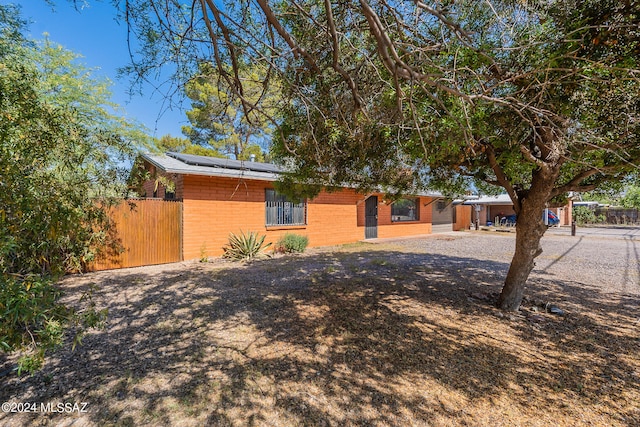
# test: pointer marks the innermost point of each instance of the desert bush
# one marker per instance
(584, 215)
(33, 321)
(62, 153)
(292, 243)
(245, 246)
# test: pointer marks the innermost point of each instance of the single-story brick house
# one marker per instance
(220, 196)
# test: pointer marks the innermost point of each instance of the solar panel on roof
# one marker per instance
(214, 162)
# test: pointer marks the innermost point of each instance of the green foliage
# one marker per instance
(32, 321)
(245, 246)
(171, 143)
(183, 145)
(223, 123)
(631, 197)
(519, 57)
(606, 195)
(295, 190)
(292, 243)
(61, 152)
(29, 316)
(583, 215)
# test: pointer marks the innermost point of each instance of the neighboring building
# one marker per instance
(489, 208)
(220, 196)
(590, 205)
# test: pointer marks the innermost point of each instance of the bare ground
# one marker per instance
(381, 335)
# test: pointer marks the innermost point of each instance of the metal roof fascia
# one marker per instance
(234, 174)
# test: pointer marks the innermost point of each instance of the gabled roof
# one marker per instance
(189, 164)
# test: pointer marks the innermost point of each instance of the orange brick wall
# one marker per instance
(388, 228)
(332, 219)
(213, 207)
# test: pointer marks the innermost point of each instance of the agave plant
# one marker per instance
(245, 246)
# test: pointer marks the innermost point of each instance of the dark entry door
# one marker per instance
(371, 218)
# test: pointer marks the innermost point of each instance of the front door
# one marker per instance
(371, 218)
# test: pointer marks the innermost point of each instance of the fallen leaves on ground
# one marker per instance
(359, 335)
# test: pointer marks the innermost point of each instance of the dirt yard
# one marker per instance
(394, 334)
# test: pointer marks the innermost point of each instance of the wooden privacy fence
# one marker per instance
(461, 217)
(148, 232)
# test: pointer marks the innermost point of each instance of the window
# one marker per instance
(404, 210)
(441, 205)
(282, 211)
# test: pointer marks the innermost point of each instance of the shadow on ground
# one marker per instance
(344, 338)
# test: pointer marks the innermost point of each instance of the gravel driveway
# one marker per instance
(609, 262)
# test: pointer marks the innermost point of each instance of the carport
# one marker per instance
(487, 208)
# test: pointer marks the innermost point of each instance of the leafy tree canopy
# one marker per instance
(183, 145)
(221, 120)
(538, 98)
(61, 149)
(631, 198)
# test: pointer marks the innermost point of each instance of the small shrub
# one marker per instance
(584, 215)
(203, 253)
(33, 320)
(292, 243)
(245, 246)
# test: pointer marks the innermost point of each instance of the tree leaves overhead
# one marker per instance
(169, 143)
(220, 120)
(538, 97)
(443, 80)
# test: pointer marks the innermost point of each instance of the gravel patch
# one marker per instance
(607, 262)
(400, 332)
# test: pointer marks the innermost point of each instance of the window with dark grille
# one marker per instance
(441, 205)
(404, 210)
(282, 211)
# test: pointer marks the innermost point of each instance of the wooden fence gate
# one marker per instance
(461, 217)
(148, 232)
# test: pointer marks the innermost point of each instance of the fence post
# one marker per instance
(573, 227)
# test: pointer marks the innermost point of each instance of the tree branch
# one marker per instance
(232, 54)
(272, 19)
(502, 178)
(574, 184)
(530, 157)
(357, 99)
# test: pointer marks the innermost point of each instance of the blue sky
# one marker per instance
(94, 33)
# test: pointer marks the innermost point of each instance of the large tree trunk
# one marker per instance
(530, 228)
